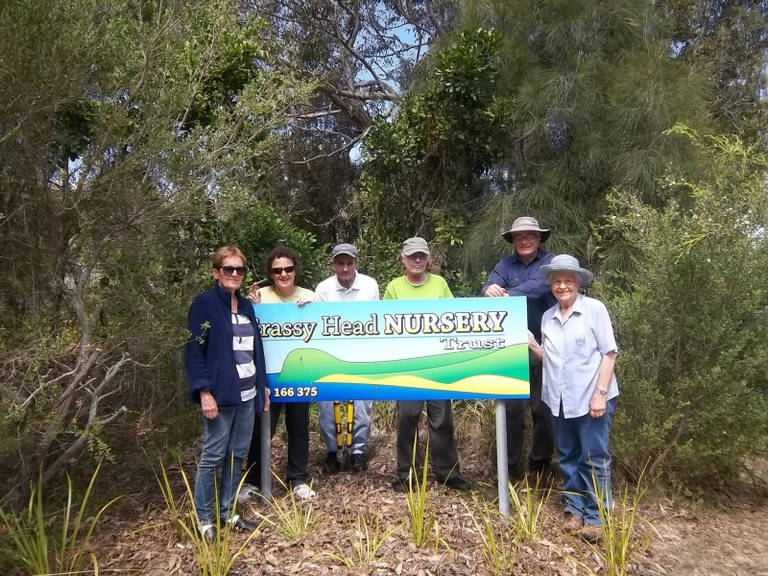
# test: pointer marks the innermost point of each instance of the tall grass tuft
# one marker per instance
(416, 499)
(499, 543)
(620, 543)
(363, 543)
(214, 558)
(290, 517)
(50, 544)
(527, 508)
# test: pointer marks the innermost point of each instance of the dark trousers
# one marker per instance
(442, 446)
(297, 425)
(542, 437)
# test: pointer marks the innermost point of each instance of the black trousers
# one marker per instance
(442, 445)
(297, 425)
(542, 436)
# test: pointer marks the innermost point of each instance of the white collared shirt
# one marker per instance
(363, 288)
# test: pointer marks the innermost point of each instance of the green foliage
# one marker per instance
(257, 228)
(621, 542)
(128, 137)
(417, 500)
(692, 318)
(290, 517)
(45, 543)
(420, 166)
(726, 40)
(527, 508)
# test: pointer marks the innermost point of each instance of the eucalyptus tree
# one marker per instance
(359, 55)
(422, 165)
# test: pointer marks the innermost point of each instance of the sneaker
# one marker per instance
(331, 464)
(304, 492)
(591, 533)
(240, 523)
(571, 523)
(208, 531)
(457, 483)
(359, 462)
(400, 485)
(247, 493)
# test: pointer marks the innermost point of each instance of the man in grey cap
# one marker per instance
(346, 285)
(417, 283)
(519, 274)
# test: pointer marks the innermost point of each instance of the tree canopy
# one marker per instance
(137, 136)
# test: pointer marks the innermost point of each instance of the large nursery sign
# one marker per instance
(396, 349)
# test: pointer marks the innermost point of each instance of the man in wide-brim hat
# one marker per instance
(519, 274)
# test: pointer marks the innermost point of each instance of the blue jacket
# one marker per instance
(209, 360)
(520, 279)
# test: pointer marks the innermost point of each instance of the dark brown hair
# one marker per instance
(282, 252)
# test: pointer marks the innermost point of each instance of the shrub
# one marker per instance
(691, 317)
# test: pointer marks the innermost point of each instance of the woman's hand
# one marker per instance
(534, 346)
(302, 302)
(208, 405)
(267, 393)
(253, 294)
(597, 405)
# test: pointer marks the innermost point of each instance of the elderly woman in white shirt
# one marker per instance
(578, 349)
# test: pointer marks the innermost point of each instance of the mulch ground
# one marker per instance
(683, 537)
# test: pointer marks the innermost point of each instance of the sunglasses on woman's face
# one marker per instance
(234, 270)
(287, 270)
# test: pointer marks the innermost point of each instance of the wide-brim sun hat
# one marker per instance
(525, 224)
(566, 263)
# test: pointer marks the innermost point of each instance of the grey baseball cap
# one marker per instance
(340, 249)
(414, 245)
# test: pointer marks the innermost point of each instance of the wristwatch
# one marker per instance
(602, 392)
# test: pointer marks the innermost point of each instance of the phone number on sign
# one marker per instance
(298, 392)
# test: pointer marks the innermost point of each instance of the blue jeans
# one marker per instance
(361, 425)
(225, 445)
(585, 461)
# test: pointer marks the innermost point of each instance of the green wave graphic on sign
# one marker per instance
(311, 365)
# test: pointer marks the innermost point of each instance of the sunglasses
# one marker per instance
(287, 270)
(234, 270)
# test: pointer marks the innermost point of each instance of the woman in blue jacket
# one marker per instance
(224, 361)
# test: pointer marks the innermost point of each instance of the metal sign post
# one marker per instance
(501, 457)
(266, 444)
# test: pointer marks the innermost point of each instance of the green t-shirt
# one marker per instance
(269, 296)
(401, 289)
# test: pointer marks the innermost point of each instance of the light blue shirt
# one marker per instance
(573, 351)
